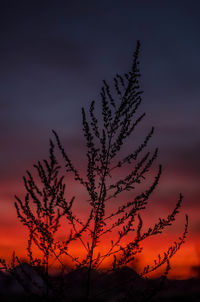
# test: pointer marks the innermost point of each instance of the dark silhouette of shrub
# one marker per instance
(105, 136)
(41, 213)
(45, 205)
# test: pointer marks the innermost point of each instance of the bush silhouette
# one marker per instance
(45, 205)
(105, 136)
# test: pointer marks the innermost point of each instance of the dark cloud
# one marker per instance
(183, 160)
(53, 52)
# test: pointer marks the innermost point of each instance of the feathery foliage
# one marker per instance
(105, 137)
(111, 211)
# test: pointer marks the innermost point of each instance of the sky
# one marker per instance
(53, 58)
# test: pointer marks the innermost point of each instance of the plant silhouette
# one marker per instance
(105, 137)
(110, 175)
(41, 212)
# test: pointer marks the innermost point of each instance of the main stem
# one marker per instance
(47, 264)
(96, 221)
(47, 277)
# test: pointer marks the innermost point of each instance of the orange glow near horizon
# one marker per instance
(182, 263)
(13, 236)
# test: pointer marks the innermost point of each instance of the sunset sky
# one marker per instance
(53, 58)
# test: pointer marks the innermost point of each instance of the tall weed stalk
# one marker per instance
(105, 135)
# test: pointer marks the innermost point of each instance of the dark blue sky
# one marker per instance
(54, 56)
